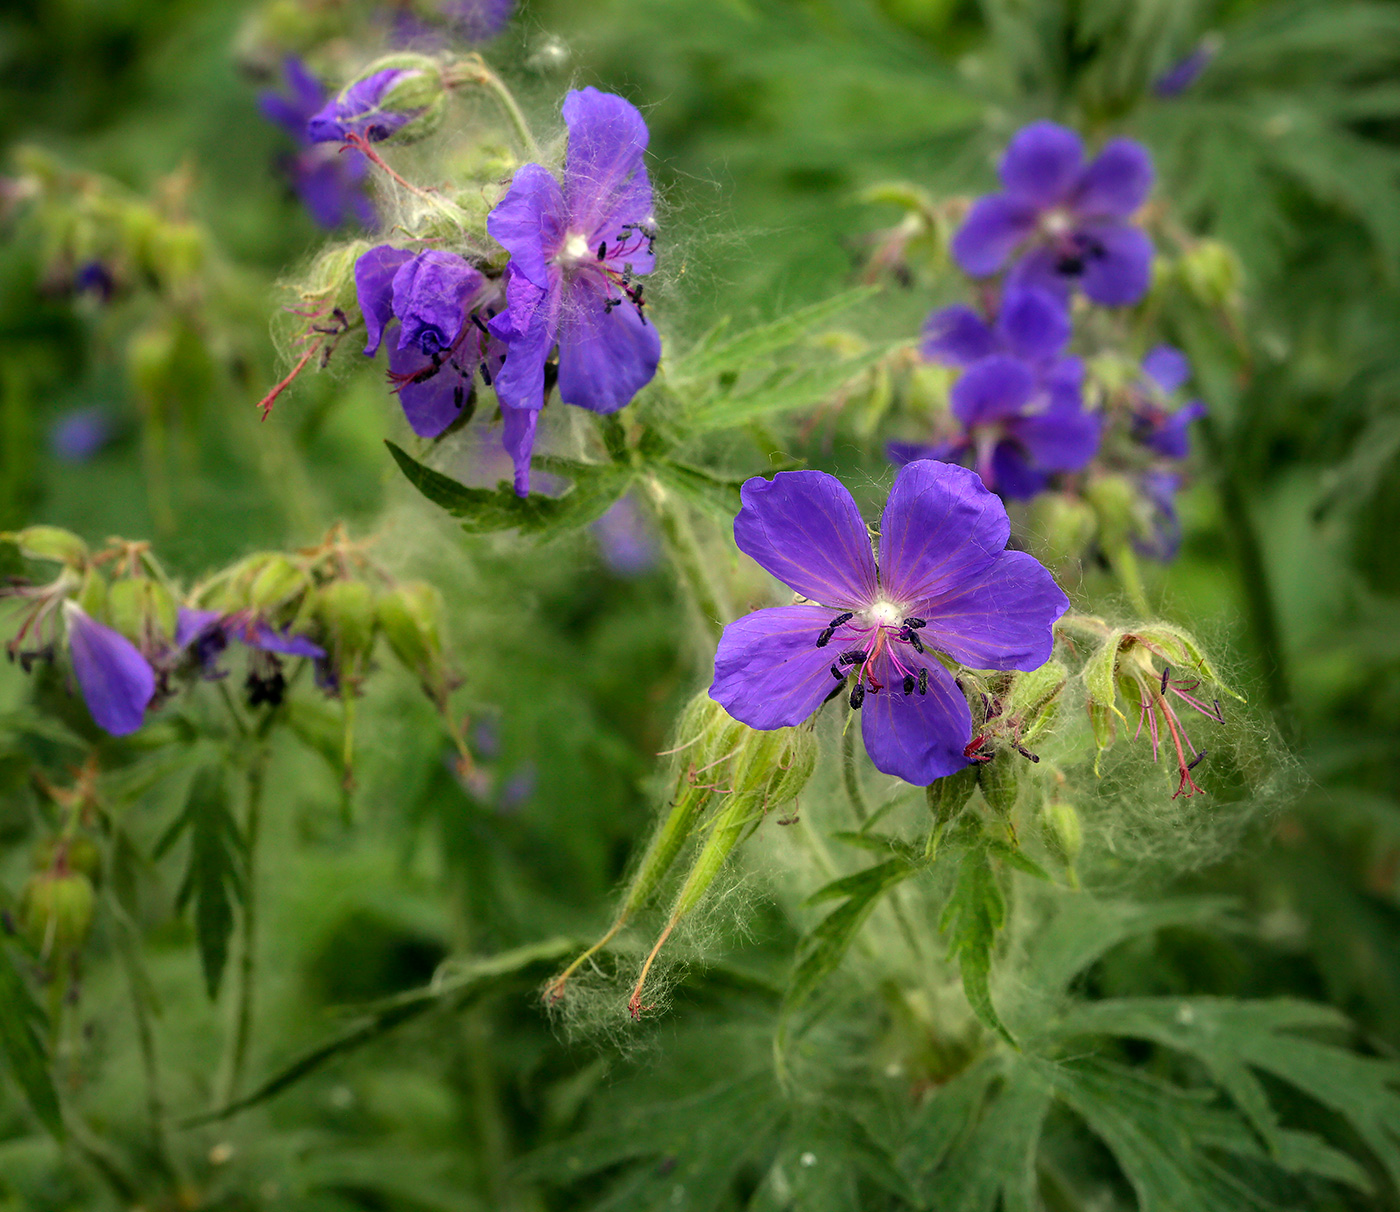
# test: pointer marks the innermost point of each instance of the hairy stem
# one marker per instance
(685, 555)
(475, 71)
(850, 774)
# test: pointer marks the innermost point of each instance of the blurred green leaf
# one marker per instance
(22, 1028)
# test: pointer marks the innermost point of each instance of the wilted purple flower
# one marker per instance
(576, 253)
(626, 539)
(359, 110)
(1068, 219)
(331, 185)
(1164, 371)
(1178, 78)
(944, 583)
(434, 297)
(1018, 399)
(117, 682)
(80, 433)
(478, 20)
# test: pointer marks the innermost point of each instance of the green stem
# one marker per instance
(242, 1030)
(685, 555)
(850, 774)
(478, 73)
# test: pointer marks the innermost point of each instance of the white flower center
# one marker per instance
(1057, 223)
(575, 249)
(885, 613)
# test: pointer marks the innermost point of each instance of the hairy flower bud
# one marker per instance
(1061, 527)
(277, 583)
(1212, 272)
(1064, 831)
(143, 610)
(55, 910)
(999, 783)
(347, 610)
(410, 615)
(49, 543)
(77, 853)
(401, 95)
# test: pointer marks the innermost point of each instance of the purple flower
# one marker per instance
(80, 433)
(626, 539)
(1069, 220)
(1160, 538)
(93, 277)
(478, 20)
(117, 682)
(331, 185)
(433, 297)
(206, 634)
(359, 111)
(1018, 400)
(1164, 371)
(944, 584)
(576, 253)
(1178, 78)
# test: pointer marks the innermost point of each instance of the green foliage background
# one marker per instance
(768, 119)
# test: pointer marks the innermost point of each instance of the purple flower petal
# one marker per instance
(1001, 618)
(190, 624)
(1159, 490)
(116, 681)
(805, 529)
(957, 336)
(331, 186)
(606, 355)
(1170, 438)
(374, 285)
(900, 453)
(1177, 79)
(518, 438)
(1117, 182)
(1039, 269)
(1009, 473)
(1042, 164)
(1122, 271)
(917, 737)
(358, 110)
(1168, 367)
(941, 526)
(994, 388)
(260, 635)
(1059, 439)
(529, 223)
(528, 326)
(989, 235)
(430, 296)
(605, 179)
(769, 672)
(479, 20)
(433, 403)
(1033, 324)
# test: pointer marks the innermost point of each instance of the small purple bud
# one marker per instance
(80, 433)
(116, 681)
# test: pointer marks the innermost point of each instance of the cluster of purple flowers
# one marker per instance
(1061, 224)
(567, 312)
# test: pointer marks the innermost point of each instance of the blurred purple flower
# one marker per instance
(116, 681)
(576, 253)
(478, 20)
(1178, 78)
(330, 184)
(516, 788)
(626, 539)
(1164, 372)
(1068, 220)
(359, 110)
(95, 278)
(80, 433)
(207, 633)
(944, 583)
(1161, 536)
(1018, 399)
(438, 301)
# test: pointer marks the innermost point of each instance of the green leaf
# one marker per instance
(1232, 1038)
(823, 949)
(716, 495)
(975, 911)
(943, 1121)
(487, 510)
(213, 879)
(22, 1032)
(713, 356)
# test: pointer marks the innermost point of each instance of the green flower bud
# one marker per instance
(347, 610)
(419, 87)
(795, 766)
(1032, 699)
(78, 854)
(92, 597)
(1212, 273)
(948, 796)
(927, 388)
(331, 279)
(1061, 527)
(55, 910)
(410, 616)
(277, 582)
(177, 253)
(143, 610)
(1115, 502)
(1064, 832)
(998, 780)
(49, 543)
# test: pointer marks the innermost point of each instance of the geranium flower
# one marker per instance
(1069, 220)
(361, 110)
(576, 254)
(434, 297)
(330, 185)
(1018, 400)
(117, 682)
(944, 584)
(1164, 371)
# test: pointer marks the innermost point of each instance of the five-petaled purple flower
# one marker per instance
(435, 298)
(1164, 371)
(359, 110)
(944, 584)
(117, 682)
(330, 185)
(576, 253)
(1069, 220)
(1018, 398)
